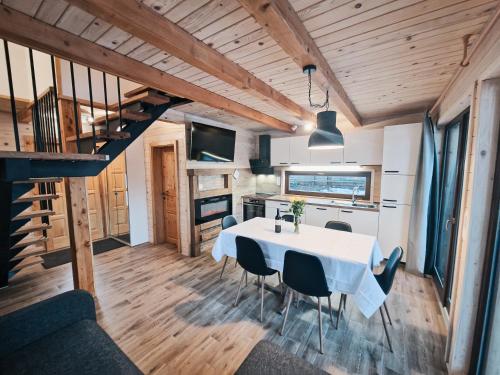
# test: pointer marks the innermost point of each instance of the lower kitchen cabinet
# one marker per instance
(394, 223)
(271, 207)
(320, 215)
(362, 221)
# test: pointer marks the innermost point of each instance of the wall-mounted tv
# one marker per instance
(209, 143)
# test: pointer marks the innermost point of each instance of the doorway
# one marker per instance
(452, 172)
(165, 195)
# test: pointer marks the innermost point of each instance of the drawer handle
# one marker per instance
(391, 171)
(388, 206)
(283, 163)
(351, 162)
(321, 209)
(283, 204)
(346, 211)
(335, 162)
(390, 200)
(294, 163)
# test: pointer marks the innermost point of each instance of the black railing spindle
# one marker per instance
(91, 97)
(75, 106)
(12, 97)
(56, 102)
(119, 102)
(105, 101)
(36, 124)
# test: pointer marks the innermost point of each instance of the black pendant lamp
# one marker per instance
(326, 135)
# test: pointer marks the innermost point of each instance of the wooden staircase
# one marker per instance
(23, 229)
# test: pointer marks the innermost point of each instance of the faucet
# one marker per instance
(355, 190)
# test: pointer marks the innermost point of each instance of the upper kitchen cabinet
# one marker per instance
(324, 157)
(299, 150)
(401, 149)
(364, 147)
(280, 151)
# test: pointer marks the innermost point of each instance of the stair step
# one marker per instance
(32, 228)
(126, 115)
(140, 90)
(28, 263)
(101, 135)
(37, 180)
(29, 243)
(39, 197)
(29, 253)
(32, 214)
(150, 97)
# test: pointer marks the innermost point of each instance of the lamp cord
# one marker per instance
(325, 104)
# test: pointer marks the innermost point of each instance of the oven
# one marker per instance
(253, 207)
(212, 208)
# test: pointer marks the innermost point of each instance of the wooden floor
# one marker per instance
(172, 315)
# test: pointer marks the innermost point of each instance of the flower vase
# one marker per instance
(296, 225)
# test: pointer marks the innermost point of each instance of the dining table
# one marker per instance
(347, 258)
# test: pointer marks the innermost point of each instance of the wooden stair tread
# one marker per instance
(31, 228)
(28, 263)
(50, 156)
(37, 180)
(32, 214)
(29, 253)
(29, 243)
(150, 97)
(100, 135)
(38, 197)
(137, 91)
(126, 115)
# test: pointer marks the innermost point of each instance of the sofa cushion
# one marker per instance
(81, 348)
(267, 358)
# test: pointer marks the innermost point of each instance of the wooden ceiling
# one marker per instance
(392, 57)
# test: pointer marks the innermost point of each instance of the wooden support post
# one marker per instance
(79, 234)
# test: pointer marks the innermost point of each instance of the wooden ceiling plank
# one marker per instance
(129, 45)
(142, 22)
(207, 14)
(95, 30)
(22, 29)
(161, 6)
(51, 10)
(113, 38)
(74, 20)
(283, 24)
(29, 7)
(184, 9)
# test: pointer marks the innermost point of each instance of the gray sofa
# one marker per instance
(59, 336)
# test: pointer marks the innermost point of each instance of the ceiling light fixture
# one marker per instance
(327, 135)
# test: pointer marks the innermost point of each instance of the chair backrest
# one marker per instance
(339, 225)
(386, 278)
(250, 256)
(305, 274)
(228, 221)
(288, 217)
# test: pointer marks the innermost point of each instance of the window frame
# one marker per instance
(367, 174)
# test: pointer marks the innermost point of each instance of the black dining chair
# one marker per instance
(250, 257)
(385, 280)
(227, 222)
(344, 227)
(304, 273)
(288, 218)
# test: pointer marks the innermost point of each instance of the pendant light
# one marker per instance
(326, 135)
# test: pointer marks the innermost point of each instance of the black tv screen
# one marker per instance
(209, 143)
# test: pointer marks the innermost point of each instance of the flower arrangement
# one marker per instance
(297, 208)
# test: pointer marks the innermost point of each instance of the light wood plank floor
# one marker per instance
(171, 314)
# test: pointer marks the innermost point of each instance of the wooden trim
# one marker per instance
(284, 25)
(22, 29)
(143, 22)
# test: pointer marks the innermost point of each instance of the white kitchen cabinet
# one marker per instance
(280, 151)
(271, 207)
(299, 150)
(397, 189)
(393, 228)
(364, 147)
(327, 157)
(320, 215)
(362, 221)
(401, 149)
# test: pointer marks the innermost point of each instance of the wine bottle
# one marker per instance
(277, 221)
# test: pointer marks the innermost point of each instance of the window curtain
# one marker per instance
(423, 218)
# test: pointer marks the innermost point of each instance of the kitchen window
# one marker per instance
(329, 184)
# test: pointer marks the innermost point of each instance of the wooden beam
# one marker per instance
(143, 22)
(79, 234)
(279, 19)
(398, 119)
(22, 29)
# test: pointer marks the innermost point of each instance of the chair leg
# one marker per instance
(290, 298)
(320, 327)
(330, 308)
(246, 279)
(223, 267)
(345, 300)
(339, 311)
(387, 312)
(239, 288)
(281, 284)
(385, 329)
(263, 280)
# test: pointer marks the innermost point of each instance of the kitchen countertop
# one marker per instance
(327, 202)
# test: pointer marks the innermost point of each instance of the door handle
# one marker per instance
(390, 200)
(346, 211)
(321, 209)
(450, 220)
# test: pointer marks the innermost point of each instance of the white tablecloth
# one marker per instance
(347, 258)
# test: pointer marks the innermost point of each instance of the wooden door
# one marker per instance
(169, 194)
(96, 219)
(58, 235)
(117, 197)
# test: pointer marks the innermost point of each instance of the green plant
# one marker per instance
(297, 208)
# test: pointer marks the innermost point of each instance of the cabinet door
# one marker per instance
(280, 151)
(364, 222)
(299, 151)
(364, 147)
(319, 215)
(401, 149)
(322, 157)
(397, 189)
(272, 206)
(393, 228)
